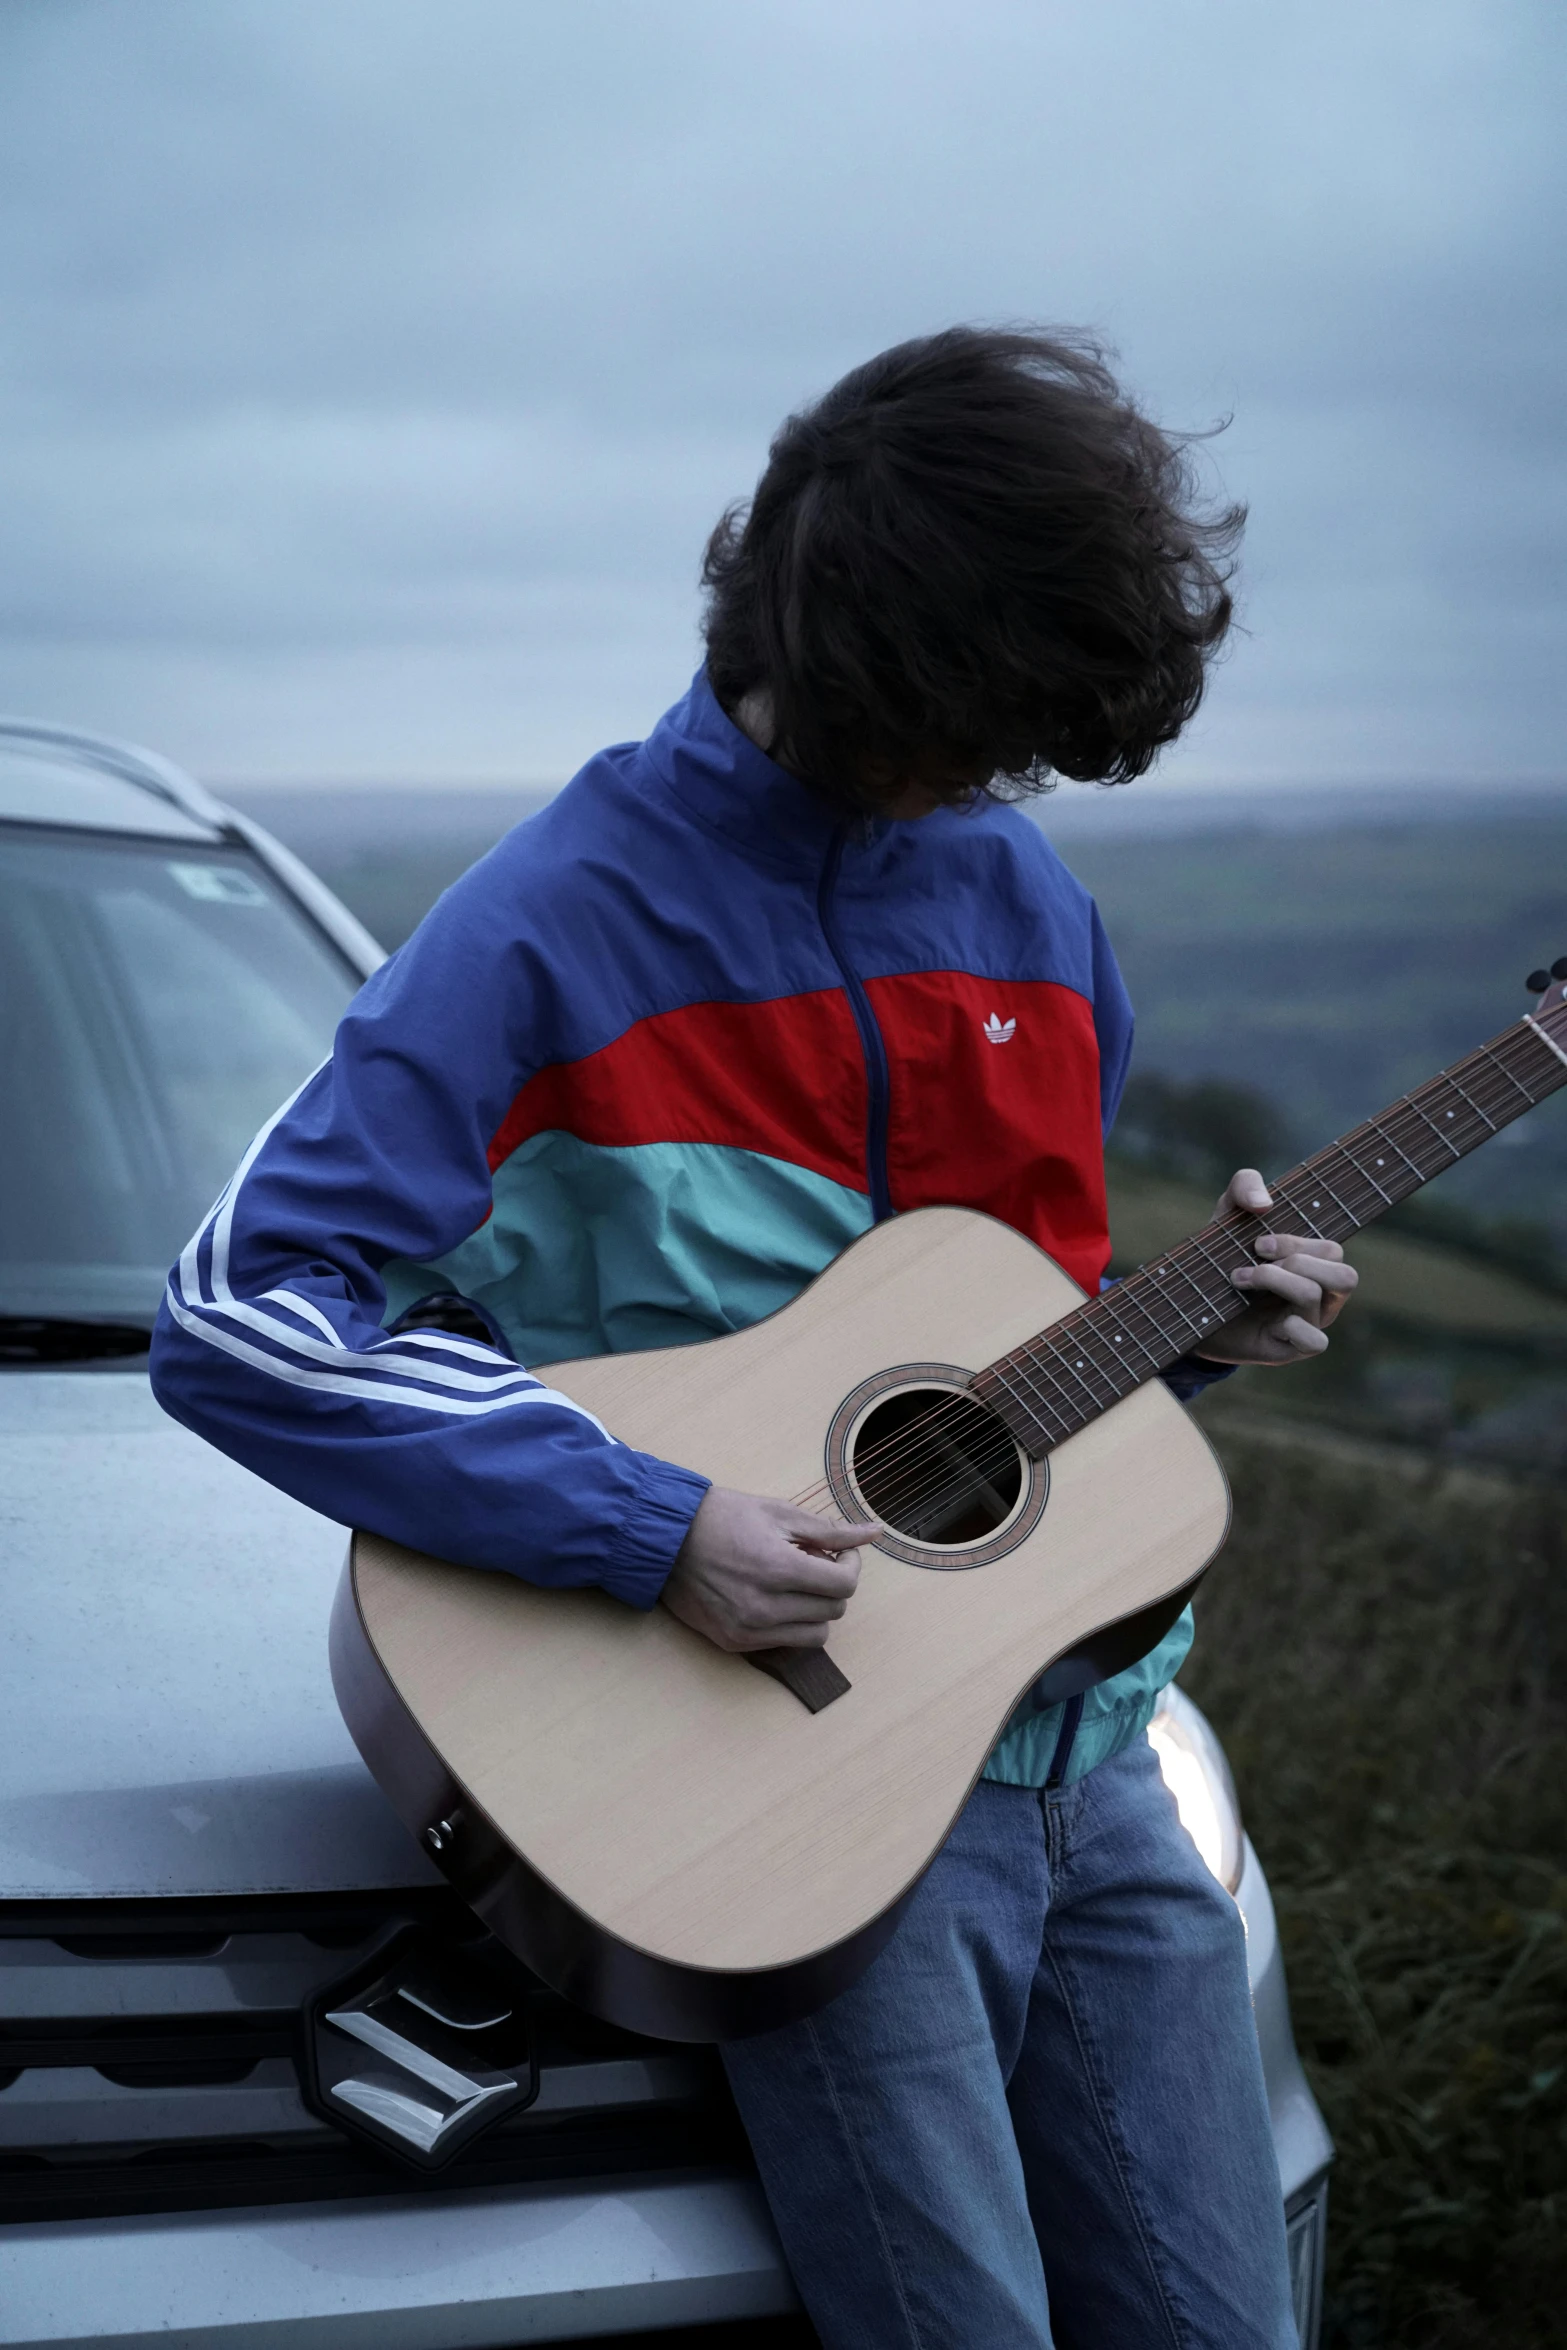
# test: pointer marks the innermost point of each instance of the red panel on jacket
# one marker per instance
(995, 1105)
(785, 1077)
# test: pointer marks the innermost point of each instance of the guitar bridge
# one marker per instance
(808, 1673)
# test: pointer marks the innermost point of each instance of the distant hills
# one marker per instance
(1332, 968)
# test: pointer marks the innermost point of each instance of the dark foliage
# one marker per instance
(1385, 1655)
(1201, 1131)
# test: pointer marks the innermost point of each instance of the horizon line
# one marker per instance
(1066, 790)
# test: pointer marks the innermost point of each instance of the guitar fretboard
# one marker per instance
(1056, 1383)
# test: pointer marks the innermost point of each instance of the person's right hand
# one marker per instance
(753, 1573)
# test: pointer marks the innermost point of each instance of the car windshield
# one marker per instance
(160, 1001)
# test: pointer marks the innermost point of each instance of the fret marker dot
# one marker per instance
(1077, 1366)
(1380, 1162)
(1449, 1113)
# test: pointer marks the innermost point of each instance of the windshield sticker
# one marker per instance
(219, 885)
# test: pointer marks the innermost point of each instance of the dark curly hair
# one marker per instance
(972, 561)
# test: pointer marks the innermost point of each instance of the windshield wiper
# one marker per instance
(50, 1338)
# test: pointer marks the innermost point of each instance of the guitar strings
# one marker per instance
(920, 1499)
(911, 1442)
(909, 1446)
(935, 1481)
(916, 1434)
(985, 1462)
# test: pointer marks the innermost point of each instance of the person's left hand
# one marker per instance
(1300, 1284)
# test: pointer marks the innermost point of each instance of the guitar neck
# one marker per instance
(1057, 1382)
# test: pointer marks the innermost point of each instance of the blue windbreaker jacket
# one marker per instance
(635, 1080)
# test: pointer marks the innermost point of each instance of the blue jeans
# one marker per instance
(1039, 2118)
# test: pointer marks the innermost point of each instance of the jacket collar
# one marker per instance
(720, 777)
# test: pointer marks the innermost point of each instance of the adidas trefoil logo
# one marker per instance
(998, 1030)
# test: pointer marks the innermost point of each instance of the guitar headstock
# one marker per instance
(1550, 1012)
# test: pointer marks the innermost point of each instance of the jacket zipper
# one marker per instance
(871, 1045)
(1071, 1716)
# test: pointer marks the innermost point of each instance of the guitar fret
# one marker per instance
(1193, 1284)
(1515, 1056)
(1529, 1099)
(1213, 1318)
(1140, 1325)
(1449, 1118)
(1116, 1315)
(1192, 1326)
(1343, 1208)
(1353, 1151)
(1056, 1368)
(1479, 1113)
(1497, 1108)
(1145, 1280)
(1032, 1405)
(1106, 1367)
(1157, 1273)
(1079, 1324)
(1126, 1305)
(1073, 1411)
(1094, 1331)
(1365, 1174)
(1443, 1139)
(1401, 1124)
(1074, 1408)
(1369, 1180)
(1397, 1146)
(1223, 1271)
(1298, 1212)
(1069, 1410)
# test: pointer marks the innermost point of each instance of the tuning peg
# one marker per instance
(1559, 967)
(1538, 981)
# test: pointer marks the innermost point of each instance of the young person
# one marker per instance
(640, 1075)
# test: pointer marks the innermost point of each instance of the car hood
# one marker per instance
(167, 1723)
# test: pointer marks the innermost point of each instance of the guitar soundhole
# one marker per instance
(938, 1467)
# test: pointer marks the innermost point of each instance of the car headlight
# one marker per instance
(1198, 1776)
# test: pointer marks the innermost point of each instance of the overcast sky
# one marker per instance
(370, 375)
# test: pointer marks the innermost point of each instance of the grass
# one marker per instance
(1383, 1649)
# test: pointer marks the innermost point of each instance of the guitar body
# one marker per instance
(672, 1838)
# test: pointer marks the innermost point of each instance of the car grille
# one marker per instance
(150, 2061)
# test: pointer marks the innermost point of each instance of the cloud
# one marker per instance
(371, 374)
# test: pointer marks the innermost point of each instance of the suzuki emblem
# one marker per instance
(422, 2050)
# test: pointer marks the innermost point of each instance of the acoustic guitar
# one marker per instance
(695, 1848)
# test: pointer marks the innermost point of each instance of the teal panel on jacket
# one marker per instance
(1113, 1715)
(593, 1250)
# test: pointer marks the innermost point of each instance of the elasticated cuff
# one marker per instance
(656, 1524)
(1189, 1378)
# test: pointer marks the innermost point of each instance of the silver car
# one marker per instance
(193, 1860)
